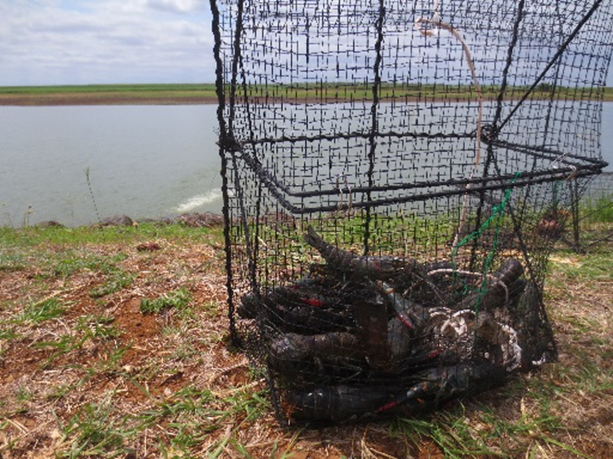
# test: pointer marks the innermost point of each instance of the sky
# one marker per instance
(53, 42)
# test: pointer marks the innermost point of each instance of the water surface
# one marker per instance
(142, 161)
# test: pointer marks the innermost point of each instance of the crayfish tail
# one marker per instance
(334, 256)
(313, 239)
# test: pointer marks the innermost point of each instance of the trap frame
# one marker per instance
(391, 164)
(592, 214)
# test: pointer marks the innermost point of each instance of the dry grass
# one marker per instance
(86, 371)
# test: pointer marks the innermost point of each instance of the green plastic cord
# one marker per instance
(497, 212)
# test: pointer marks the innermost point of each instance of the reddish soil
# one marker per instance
(151, 361)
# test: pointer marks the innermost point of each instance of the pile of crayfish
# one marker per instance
(361, 337)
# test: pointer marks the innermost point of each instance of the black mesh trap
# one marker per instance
(394, 176)
(592, 222)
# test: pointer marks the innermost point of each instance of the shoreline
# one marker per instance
(88, 99)
(293, 94)
(84, 99)
(190, 219)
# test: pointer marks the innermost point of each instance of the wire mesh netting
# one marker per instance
(592, 218)
(394, 179)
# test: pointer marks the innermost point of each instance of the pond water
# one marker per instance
(71, 164)
(77, 164)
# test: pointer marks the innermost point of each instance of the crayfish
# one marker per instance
(367, 336)
(429, 389)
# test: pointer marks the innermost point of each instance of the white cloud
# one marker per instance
(180, 6)
(106, 41)
(120, 41)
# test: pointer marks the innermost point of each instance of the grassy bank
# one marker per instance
(205, 93)
(114, 343)
(108, 94)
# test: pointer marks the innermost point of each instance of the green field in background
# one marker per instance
(322, 92)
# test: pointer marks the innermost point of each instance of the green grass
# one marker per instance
(117, 280)
(349, 91)
(387, 235)
(177, 299)
(478, 430)
(597, 209)
(11, 262)
(108, 94)
(93, 431)
(97, 326)
(300, 91)
(598, 267)
(101, 376)
(192, 415)
(60, 346)
(41, 311)
(106, 88)
(114, 90)
(74, 237)
(73, 261)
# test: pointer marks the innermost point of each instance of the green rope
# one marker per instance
(495, 218)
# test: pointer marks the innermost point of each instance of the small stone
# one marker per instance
(201, 220)
(49, 224)
(117, 220)
(148, 247)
